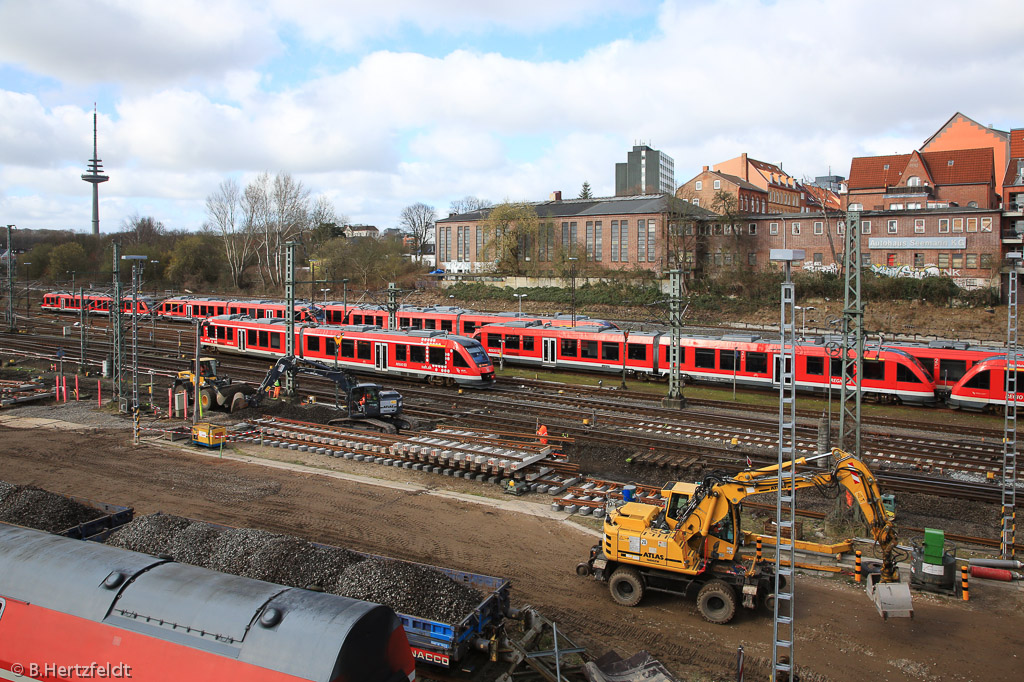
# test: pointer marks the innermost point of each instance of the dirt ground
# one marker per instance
(839, 635)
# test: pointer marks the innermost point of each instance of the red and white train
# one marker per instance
(95, 304)
(444, 318)
(889, 375)
(189, 308)
(983, 387)
(433, 356)
(71, 609)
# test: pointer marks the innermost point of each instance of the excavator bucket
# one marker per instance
(891, 599)
(639, 668)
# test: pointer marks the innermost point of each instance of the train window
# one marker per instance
(493, 340)
(468, 327)
(275, 340)
(979, 380)
(527, 343)
(436, 355)
(609, 351)
(348, 348)
(264, 339)
(364, 350)
(704, 358)
(380, 321)
(952, 370)
(231, 334)
(757, 362)
(636, 351)
(903, 373)
(511, 342)
(729, 359)
(417, 354)
(250, 337)
(429, 324)
(835, 367)
(458, 360)
(816, 366)
(569, 348)
(313, 344)
(401, 353)
(446, 325)
(403, 323)
(873, 370)
(588, 349)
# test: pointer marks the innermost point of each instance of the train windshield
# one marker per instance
(911, 360)
(477, 352)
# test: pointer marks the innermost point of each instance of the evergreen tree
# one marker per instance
(585, 192)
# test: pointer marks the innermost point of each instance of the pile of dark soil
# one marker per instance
(286, 560)
(321, 414)
(33, 507)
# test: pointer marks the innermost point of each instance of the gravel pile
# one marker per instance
(36, 508)
(409, 589)
(413, 590)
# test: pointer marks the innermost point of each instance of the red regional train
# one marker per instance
(444, 318)
(889, 375)
(95, 304)
(947, 361)
(433, 356)
(189, 308)
(71, 609)
(983, 387)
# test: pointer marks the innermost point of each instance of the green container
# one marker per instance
(934, 545)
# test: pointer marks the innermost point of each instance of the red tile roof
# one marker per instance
(1017, 143)
(969, 166)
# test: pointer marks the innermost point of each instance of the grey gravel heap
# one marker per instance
(407, 588)
(36, 508)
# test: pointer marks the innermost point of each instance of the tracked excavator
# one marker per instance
(692, 546)
(370, 403)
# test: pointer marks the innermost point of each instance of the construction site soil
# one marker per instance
(840, 636)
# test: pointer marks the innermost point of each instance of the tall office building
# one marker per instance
(646, 171)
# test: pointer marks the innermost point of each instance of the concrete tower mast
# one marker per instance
(95, 176)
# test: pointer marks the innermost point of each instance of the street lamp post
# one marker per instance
(572, 275)
(324, 292)
(520, 297)
(625, 351)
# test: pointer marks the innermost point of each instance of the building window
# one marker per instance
(986, 224)
(943, 260)
(819, 227)
(972, 261)
(568, 235)
(918, 225)
(615, 241)
(958, 260)
(840, 227)
(796, 229)
(624, 240)
(913, 181)
(895, 207)
(972, 224)
(641, 242)
(943, 224)
(699, 185)
(891, 227)
(696, 202)
(773, 228)
(918, 260)
(590, 240)
(717, 228)
(718, 184)
(752, 258)
(651, 254)
(865, 260)
(718, 258)
(728, 258)
(598, 245)
(752, 228)
(817, 259)
(865, 227)
(958, 224)
(856, 207)
(890, 259)
(986, 260)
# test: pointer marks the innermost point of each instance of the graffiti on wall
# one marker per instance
(811, 266)
(915, 272)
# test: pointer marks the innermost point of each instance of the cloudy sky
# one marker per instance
(378, 105)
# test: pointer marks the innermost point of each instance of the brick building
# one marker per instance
(961, 132)
(619, 233)
(702, 190)
(785, 194)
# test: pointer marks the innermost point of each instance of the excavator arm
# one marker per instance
(289, 363)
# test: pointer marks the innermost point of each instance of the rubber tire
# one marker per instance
(626, 587)
(207, 399)
(716, 602)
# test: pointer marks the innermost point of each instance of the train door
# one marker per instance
(241, 338)
(549, 349)
(380, 358)
(776, 374)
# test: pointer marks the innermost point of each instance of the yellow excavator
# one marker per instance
(693, 544)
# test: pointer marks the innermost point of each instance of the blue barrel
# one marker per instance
(629, 493)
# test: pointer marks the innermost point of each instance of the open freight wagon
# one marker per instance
(97, 520)
(434, 641)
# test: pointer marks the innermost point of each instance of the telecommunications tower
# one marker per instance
(95, 176)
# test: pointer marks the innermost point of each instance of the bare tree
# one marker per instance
(223, 210)
(255, 204)
(418, 220)
(278, 211)
(142, 230)
(510, 235)
(468, 204)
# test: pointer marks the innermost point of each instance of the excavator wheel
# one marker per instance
(626, 586)
(716, 602)
(207, 398)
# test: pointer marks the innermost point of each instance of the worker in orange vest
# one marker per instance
(542, 433)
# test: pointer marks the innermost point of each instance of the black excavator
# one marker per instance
(365, 402)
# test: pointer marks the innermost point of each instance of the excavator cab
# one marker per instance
(364, 401)
(208, 368)
(677, 496)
